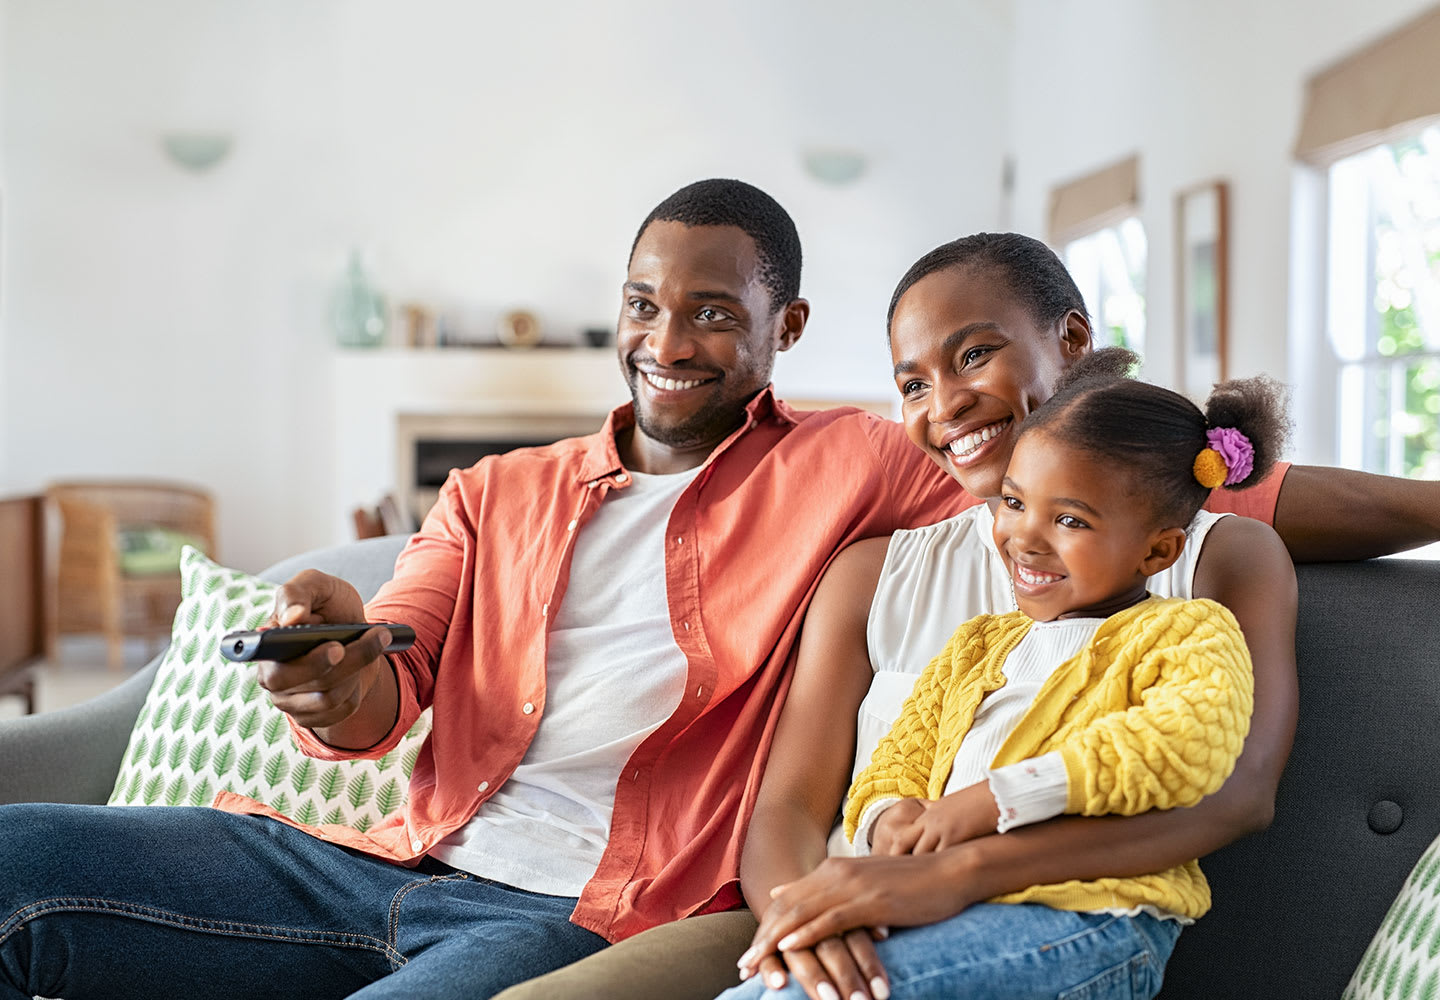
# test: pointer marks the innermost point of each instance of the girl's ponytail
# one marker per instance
(1245, 432)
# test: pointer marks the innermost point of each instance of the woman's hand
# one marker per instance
(924, 826)
(844, 966)
(845, 894)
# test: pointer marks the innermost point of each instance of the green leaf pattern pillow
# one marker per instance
(1403, 960)
(208, 727)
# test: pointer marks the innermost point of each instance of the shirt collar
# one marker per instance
(600, 458)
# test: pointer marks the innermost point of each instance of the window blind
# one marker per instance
(1388, 89)
(1090, 203)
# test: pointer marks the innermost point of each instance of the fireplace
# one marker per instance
(429, 445)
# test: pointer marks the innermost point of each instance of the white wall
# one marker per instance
(487, 155)
(1202, 92)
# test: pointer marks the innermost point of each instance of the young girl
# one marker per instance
(1093, 698)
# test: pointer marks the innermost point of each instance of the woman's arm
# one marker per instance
(1340, 514)
(808, 768)
(1244, 566)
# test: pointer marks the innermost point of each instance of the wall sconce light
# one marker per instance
(834, 166)
(195, 151)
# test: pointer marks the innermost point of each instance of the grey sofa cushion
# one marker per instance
(1296, 905)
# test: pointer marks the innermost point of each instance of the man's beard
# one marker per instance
(706, 426)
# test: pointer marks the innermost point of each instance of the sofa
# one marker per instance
(1295, 906)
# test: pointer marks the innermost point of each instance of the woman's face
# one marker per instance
(971, 363)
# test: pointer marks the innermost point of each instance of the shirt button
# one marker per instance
(484, 785)
(545, 611)
(687, 626)
(622, 478)
(571, 525)
(528, 708)
(679, 540)
(417, 845)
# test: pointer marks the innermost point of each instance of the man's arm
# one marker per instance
(346, 701)
(1338, 514)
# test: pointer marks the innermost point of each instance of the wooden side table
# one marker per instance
(22, 594)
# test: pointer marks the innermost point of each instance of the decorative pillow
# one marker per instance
(207, 726)
(1403, 959)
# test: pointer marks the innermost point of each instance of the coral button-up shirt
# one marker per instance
(746, 545)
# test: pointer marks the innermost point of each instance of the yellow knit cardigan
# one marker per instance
(1152, 714)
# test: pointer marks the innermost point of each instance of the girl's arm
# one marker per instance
(1244, 566)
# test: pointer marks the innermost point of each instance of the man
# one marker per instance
(603, 629)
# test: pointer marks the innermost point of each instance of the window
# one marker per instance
(1095, 221)
(1109, 268)
(1383, 305)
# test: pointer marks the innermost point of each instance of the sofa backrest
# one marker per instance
(1295, 906)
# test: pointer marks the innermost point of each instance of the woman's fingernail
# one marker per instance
(827, 992)
(880, 988)
(776, 981)
(746, 974)
(746, 958)
(787, 942)
(859, 995)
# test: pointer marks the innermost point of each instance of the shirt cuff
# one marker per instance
(1029, 791)
(866, 826)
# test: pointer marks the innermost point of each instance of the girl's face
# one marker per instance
(970, 364)
(1076, 540)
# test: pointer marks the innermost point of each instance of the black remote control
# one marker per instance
(286, 642)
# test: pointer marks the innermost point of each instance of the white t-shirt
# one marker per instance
(613, 675)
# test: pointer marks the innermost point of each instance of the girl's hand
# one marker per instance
(924, 826)
(895, 831)
(844, 894)
(845, 966)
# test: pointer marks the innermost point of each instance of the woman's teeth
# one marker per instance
(963, 446)
(670, 383)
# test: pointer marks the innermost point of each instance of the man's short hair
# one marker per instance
(723, 202)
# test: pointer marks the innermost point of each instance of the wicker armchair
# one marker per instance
(92, 591)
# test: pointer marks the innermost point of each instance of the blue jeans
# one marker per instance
(144, 902)
(1018, 951)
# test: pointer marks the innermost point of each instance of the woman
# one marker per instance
(980, 331)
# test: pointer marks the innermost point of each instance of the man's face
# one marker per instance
(697, 336)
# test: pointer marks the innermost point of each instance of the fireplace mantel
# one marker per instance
(374, 389)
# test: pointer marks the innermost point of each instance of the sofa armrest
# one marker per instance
(72, 754)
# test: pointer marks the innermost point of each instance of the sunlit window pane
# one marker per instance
(1109, 269)
(1384, 314)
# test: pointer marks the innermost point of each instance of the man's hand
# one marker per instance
(924, 826)
(326, 688)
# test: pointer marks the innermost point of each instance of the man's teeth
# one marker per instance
(670, 383)
(1035, 579)
(965, 445)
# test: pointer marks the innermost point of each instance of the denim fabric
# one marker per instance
(98, 901)
(1000, 951)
